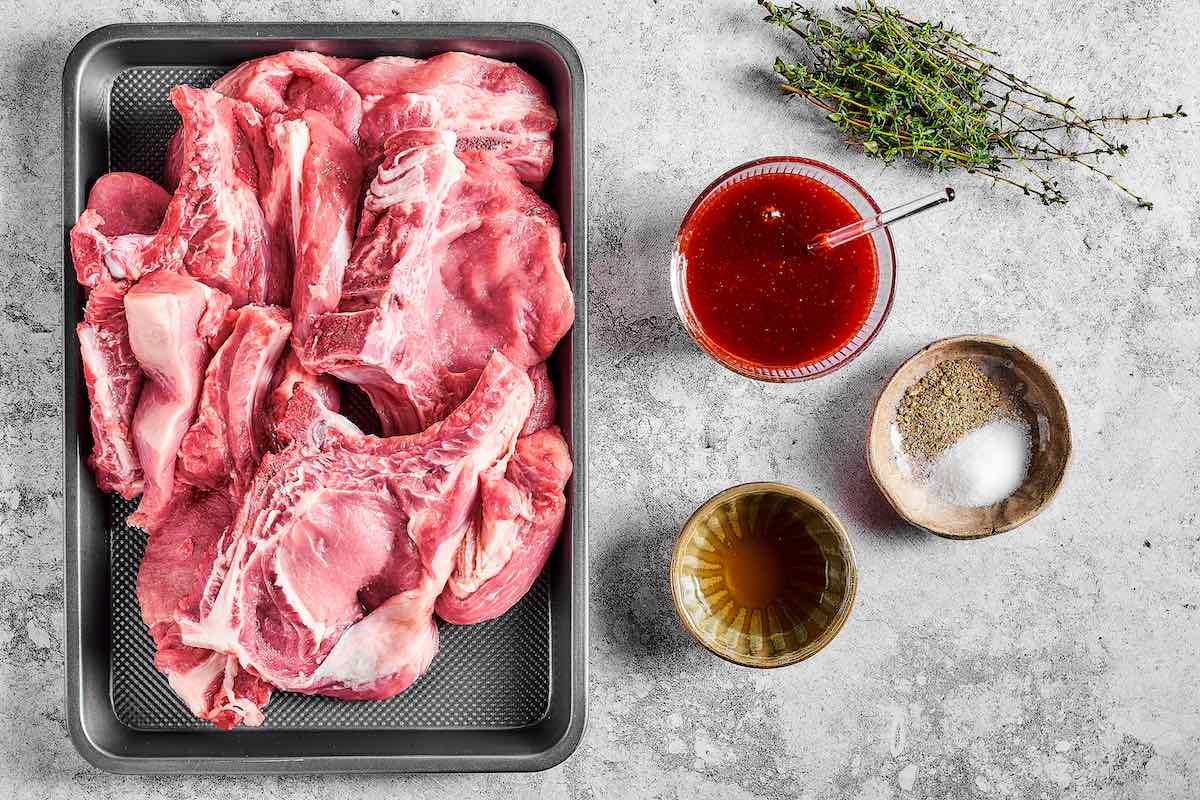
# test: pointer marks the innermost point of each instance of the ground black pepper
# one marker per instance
(953, 398)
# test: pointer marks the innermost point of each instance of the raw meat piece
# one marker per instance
(490, 105)
(545, 404)
(289, 374)
(214, 228)
(114, 383)
(217, 461)
(308, 420)
(170, 317)
(500, 279)
(455, 258)
(129, 203)
(231, 432)
(319, 173)
(286, 84)
(381, 338)
(330, 572)
(298, 81)
(182, 547)
(520, 518)
(123, 210)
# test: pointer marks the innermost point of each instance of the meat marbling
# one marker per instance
(327, 580)
(316, 182)
(231, 432)
(454, 258)
(490, 105)
(181, 549)
(114, 384)
(214, 228)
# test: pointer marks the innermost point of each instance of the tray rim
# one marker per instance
(80, 57)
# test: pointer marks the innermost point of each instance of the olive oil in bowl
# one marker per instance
(763, 575)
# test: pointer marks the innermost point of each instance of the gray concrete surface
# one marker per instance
(1059, 661)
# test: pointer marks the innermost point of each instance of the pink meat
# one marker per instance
(455, 258)
(214, 228)
(287, 84)
(289, 374)
(381, 338)
(306, 419)
(304, 406)
(114, 384)
(214, 686)
(319, 174)
(170, 318)
(123, 212)
(298, 81)
(520, 519)
(329, 575)
(490, 105)
(231, 432)
(545, 404)
(129, 203)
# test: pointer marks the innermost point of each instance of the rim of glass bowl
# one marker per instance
(885, 262)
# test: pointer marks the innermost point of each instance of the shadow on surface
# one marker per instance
(844, 425)
(632, 598)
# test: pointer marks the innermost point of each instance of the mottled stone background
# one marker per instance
(1057, 661)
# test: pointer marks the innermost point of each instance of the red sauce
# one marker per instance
(754, 288)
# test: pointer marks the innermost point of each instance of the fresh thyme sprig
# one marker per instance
(899, 88)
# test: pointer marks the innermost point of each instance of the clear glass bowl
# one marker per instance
(885, 264)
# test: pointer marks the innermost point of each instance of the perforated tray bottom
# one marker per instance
(491, 675)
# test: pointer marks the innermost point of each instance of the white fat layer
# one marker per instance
(296, 144)
(215, 630)
(94, 358)
(284, 582)
(398, 634)
(192, 686)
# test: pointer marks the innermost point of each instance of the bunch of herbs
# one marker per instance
(899, 88)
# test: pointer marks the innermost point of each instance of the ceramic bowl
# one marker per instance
(782, 633)
(1018, 375)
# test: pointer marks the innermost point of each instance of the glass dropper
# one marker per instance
(848, 233)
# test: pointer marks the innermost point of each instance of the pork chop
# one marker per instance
(327, 580)
(490, 105)
(455, 258)
(520, 517)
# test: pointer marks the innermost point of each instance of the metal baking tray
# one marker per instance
(505, 695)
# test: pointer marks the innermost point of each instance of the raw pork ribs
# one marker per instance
(329, 221)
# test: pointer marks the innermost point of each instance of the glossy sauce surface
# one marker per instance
(756, 291)
(779, 564)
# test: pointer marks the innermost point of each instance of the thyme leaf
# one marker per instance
(899, 88)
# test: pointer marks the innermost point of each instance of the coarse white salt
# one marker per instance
(985, 466)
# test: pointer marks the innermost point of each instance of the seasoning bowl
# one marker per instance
(817, 594)
(885, 267)
(1019, 376)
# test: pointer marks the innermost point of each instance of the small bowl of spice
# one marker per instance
(969, 438)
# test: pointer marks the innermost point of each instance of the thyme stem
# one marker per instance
(900, 88)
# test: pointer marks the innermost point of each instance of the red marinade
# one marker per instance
(754, 288)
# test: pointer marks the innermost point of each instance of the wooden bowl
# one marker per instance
(1017, 374)
(782, 632)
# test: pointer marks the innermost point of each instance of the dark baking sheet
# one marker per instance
(508, 694)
